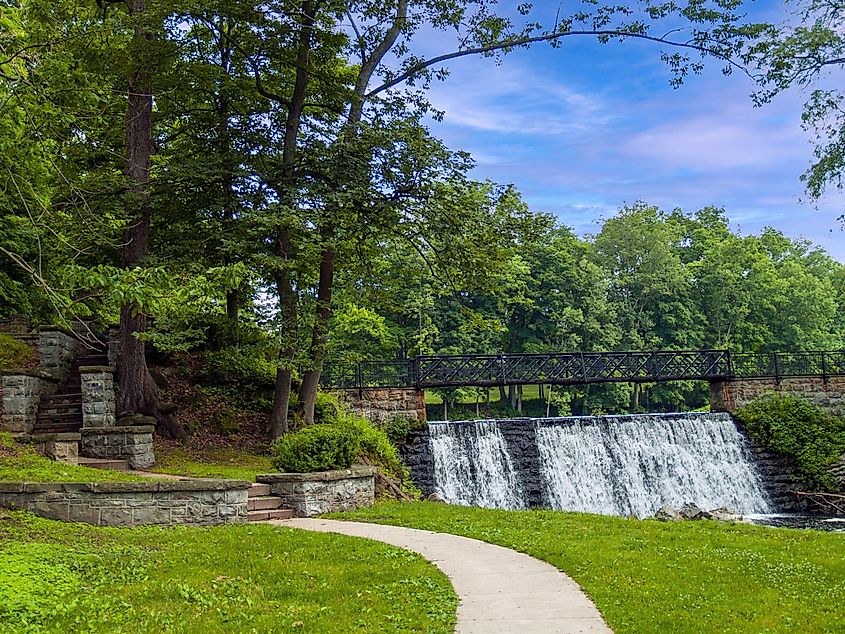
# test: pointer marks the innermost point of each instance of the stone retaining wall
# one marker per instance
(827, 394)
(310, 494)
(381, 404)
(133, 444)
(56, 350)
(188, 502)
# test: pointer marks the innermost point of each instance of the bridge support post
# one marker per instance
(380, 404)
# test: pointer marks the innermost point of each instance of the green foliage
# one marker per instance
(810, 438)
(376, 446)
(248, 367)
(14, 353)
(20, 463)
(649, 577)
(321, 447)
(60, 577)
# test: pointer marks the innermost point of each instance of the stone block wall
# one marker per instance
(133, 444)
(187, 502)
(14, 325)
(58, 447)
(829, 395)
(56, 350)
(21, 392)
(310, 494)
(379, 405)
(98, 396)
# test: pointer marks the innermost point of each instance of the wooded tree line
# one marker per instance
(268, 162)
(647, 280)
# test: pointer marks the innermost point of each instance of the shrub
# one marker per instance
(811, 439)
(316, 448)
(247, 367)
(14, 353)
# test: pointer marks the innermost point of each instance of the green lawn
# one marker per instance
(57, 577)
(222, 462)
(649, 576)
(20, 463)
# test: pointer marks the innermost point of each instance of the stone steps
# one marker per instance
(258, 490)
(101, 463)
(261, 506)
(275, 514)
(263, 503)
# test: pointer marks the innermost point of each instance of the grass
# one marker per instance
(20, 463)
(57, 577)
(649, 576)
(210, 462)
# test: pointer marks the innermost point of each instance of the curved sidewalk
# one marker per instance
(501, 591)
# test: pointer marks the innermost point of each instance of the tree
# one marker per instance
(804, 53)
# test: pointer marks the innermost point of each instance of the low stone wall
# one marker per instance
(188, 502)
(829, 394)
(381, 404)
(310, 494)
(98, 396)
(21, 392)
(59, 447)
(133, 444)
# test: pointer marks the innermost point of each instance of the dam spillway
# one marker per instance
(611, 465)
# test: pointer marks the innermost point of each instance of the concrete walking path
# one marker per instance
(501, 591)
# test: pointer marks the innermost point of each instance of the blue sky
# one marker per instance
(583, 129)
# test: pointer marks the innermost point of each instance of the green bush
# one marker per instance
(247, 367)
(316, 448)
(807, 436)
(14, 353)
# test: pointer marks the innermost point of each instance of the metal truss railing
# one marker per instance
(578, 368)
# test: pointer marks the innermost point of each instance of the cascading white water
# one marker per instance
(612, 465)
(633, 465)
(472, 465)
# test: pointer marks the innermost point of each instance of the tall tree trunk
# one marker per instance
(287, 351)
(519, 398)
(284, 246)
(502, 394)
(138, 392)
(319, 338)
(225, 49)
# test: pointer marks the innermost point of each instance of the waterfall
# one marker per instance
(612, 465)
(472, 465)
(633, 465)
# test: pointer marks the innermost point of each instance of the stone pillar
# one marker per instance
(98, 397)
(721, 397)
(56, 351)
(21, 392)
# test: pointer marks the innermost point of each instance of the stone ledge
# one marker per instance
(54, 328)
(118, 429)
(34, 438)
(89, 369)
(356, 471)
(38, 374)
(152, 486)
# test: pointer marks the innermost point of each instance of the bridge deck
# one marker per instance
(580, 368)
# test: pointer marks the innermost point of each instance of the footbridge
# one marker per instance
(581, 368)
(386, 388)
